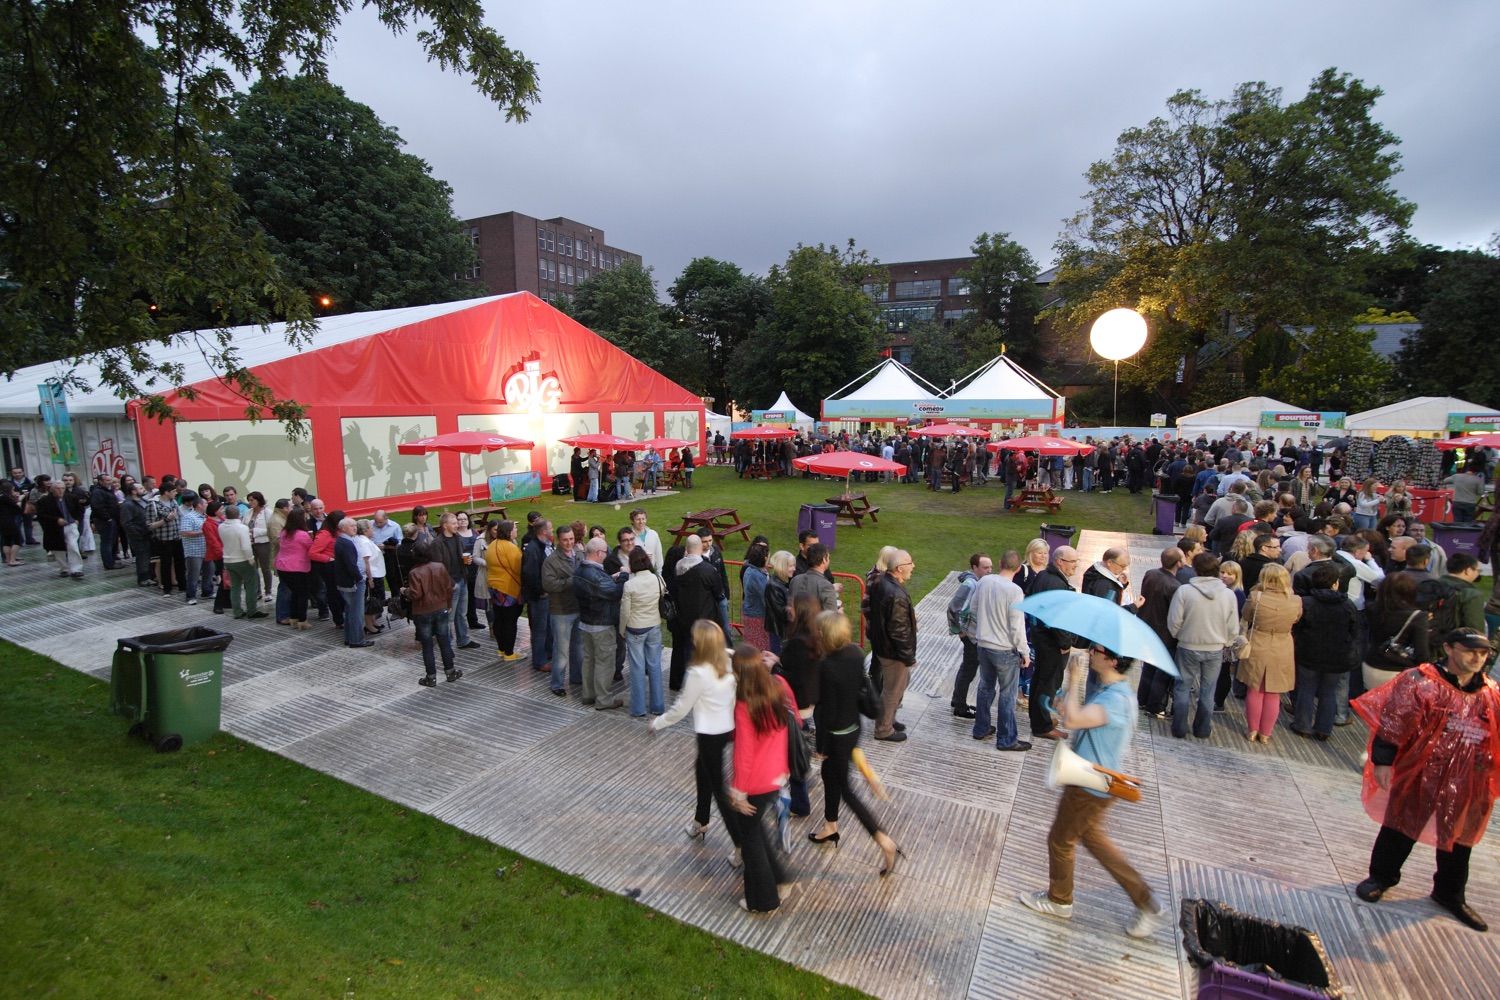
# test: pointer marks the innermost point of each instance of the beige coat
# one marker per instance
(1271, 655)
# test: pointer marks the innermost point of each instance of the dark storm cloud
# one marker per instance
(736, 131)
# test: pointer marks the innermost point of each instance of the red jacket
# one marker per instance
(213, 546)
(322, 547)
(760, 763)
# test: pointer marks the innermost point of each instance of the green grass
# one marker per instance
(225, 870)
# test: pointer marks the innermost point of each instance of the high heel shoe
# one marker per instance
(832, 838)
(694, 831)
(890, 863)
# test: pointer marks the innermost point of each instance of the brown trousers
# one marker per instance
(1080, 816)
(894, 677)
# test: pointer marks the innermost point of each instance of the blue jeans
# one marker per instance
(1198, 674)
(567, 652)
(283, 601)
(643, 653)
(354, 613)
(1088, 479)
(724, 622)
(459, 607)
(538, 614)
(1316, 687)
(433, 629)
(998, 669)
(1365, 522)
(593, 494)
(192, 576)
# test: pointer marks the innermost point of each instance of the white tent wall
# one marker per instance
(1241, 416)
(1421, 416)
(105, 444)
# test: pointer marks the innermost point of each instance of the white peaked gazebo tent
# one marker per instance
(1424, 416)
(1239, 417)
(1001, 391)
(889, 391)
(784, 413)
(717, 424)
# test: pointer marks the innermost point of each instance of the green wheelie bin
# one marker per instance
(169, 685)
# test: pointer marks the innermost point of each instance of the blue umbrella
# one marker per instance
(1101, 621)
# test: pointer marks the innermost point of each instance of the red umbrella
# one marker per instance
(665, 444)
(847, 463)
(464, 443)
(1045, 445)
(764, 433)
(950, 430)
(602, 442)
(1472, 441)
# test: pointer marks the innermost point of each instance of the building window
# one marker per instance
(958, 286)
(551, 243)
(901, 354)
(617, 262)
(927, 288)
(876, 290)
(954, 315)
(899, 316)
(541, 239)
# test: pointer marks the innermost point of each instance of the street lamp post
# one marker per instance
(1115, 336)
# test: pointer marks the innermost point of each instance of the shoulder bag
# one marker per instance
(1395, 651)
(666, 606)
(1244, 644)
(798, 760)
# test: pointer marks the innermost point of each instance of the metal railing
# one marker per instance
(853, 600)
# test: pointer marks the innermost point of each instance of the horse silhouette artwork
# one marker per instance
(361, 460)
(236, 460)
(404, 473)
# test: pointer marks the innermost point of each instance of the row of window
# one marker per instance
(896, 316)
(568, 246)
(925, 288)
(562, 274)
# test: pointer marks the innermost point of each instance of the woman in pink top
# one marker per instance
(294, 568)
(762, 701)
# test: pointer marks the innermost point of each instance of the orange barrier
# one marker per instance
(852, 601)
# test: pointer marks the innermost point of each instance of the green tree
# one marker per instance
(1236, 217)
(345, 212)
(119, 227)
(720, 305)
(820, 332)
(1334, 369)
(1454, 352)
(1004, 295)
(621, 306)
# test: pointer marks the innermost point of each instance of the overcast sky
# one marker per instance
(737, 130)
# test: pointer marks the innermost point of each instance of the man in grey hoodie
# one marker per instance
(1205, 619)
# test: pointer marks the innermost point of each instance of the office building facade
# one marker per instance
(547, 257)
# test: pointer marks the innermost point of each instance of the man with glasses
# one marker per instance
(1052, 647)
(1429, 776)
(893, 640)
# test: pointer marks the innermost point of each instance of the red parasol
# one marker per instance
(1472, 441)
(666, 444)
(764, 433)
(464, 443)
(847, 463)
(950, 430)
(602, 442)
(1045, 445)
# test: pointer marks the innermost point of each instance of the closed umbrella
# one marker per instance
(1101, 621)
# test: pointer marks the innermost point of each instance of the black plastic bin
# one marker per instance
(1243, 956)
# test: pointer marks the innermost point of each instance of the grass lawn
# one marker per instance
(226, 871)
(941, 530)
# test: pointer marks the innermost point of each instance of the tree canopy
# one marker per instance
(344, 210)
(1243, 215)
(1005, 298)
(1454, 352)
(719, 305)
(119, 226)
(621, 306)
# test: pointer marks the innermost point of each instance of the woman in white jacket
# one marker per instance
(640, 629)
(709, 691)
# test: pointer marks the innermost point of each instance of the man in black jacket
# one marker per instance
(349, 579)
(893, 639)
(538, 546)
(105, 518)
(1053, 646)
(135, 519)
(697, 590)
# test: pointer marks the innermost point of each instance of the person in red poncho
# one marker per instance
(1434, 769)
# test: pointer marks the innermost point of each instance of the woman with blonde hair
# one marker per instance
(779, 569)
(1233, 577)
(1033, 563)
(1243, 546)
(709, 691)
(841, 673)
(1268, 666)
(1367, 505)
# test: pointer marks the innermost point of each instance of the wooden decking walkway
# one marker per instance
(1276, 830)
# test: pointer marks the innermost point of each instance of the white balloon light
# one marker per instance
(1118, 334)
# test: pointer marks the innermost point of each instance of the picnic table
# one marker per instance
(767, 469)
(722, 521)
(1036, 498)
(853, 509)
(480, 519)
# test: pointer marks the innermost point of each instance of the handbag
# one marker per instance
(869, 698)
(798, 760)
(1242, 642)
(1395, 652)
(666, 606)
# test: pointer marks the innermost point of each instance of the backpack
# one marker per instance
(1440, 599)
(963, 617)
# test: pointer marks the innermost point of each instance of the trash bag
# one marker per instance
(197, 639)
(1214, 934)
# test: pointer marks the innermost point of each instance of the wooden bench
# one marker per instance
(722, 531)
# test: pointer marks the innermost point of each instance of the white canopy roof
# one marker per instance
(256, 346)
(1001, 378)
(784, 403)
(891, 381)
(1240, 415)
(1423, 413)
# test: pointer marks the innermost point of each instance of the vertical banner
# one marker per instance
(59, 426)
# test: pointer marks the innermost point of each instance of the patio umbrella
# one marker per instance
(764, 433)
(1038, 443)
(665, 444)
(950, 430)
(464, 443)
(848, 463)
(602, 442)
(1101, 621)
(1472, 441)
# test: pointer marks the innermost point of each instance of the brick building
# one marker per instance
(919, 291)
(547, 257)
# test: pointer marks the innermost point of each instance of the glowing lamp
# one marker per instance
(1118, 334)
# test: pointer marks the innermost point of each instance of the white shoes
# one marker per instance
(1042, 903)
(1146, 922)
